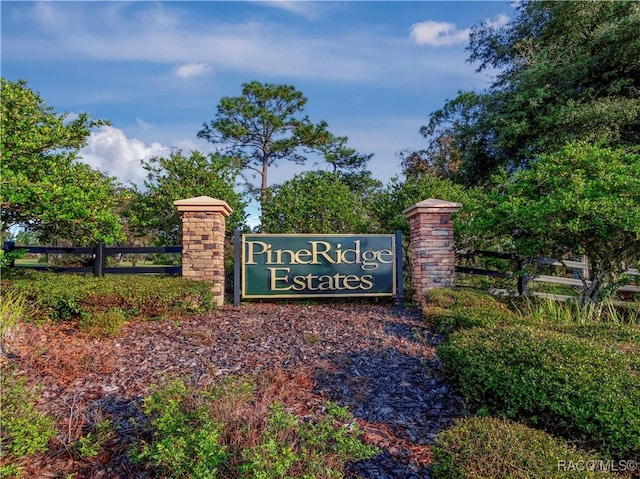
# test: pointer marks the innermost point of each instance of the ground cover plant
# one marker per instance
(571, 370)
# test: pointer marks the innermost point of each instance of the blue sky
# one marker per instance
(157, 70)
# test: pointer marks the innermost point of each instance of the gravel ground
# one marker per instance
(377, 359)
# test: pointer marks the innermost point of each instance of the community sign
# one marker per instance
(284, 266)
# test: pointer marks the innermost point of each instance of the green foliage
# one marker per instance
(13, 308)
(25, 430)
(95, 440)
(290, 448)
(314, 202)
(388, 205)
(43, 187)
(561, 381)
(195, 434)
(449, 309)
(549, 310)
(583, 199)
(176, 178)
(8, 258)
(499, 449)
(566, 71)
(186, 439)
(70, 296)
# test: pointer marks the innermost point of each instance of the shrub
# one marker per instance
(564, 382)
(25, 430)
(500, 449)
(75, 296)
(448, 309)
(186, 438)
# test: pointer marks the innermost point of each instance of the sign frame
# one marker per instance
(390, 276)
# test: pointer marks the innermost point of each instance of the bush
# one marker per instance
(76, 296)
(25, 430)
(186, 438)
(499, 449)
(591, 390)
(448, 309)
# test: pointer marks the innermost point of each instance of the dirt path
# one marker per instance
(376, 359)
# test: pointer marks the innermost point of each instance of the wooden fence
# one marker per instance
(99, 254)
(524, 277)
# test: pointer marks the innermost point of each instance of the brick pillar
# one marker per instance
(203, 228)
(431, 245)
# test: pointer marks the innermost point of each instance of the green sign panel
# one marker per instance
(284, 266)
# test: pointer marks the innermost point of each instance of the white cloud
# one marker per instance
(110, 151)
(264, 49)
(191, 70)
(438, 34)
(499, 21)
(302, 8)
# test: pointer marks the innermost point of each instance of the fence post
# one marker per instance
(522, 279)
(433, 259)
(98, 259)
(203, 229)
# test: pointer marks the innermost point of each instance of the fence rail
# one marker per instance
(523, 278)
(99, 253)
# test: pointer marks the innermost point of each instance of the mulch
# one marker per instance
(376, 359)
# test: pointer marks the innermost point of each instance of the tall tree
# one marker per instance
(44, 188)
(266, 125)
(567, 71)
(178, 177)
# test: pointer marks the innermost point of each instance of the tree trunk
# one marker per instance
(263, 191)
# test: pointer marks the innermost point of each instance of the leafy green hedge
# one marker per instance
(499, 449)
(588, 388)
(448, 309)
(74, 296)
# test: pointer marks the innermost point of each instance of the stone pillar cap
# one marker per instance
(432, 205)
(204, 203)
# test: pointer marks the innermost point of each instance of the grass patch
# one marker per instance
(551, 311)
(501, 449)
(13, 308)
